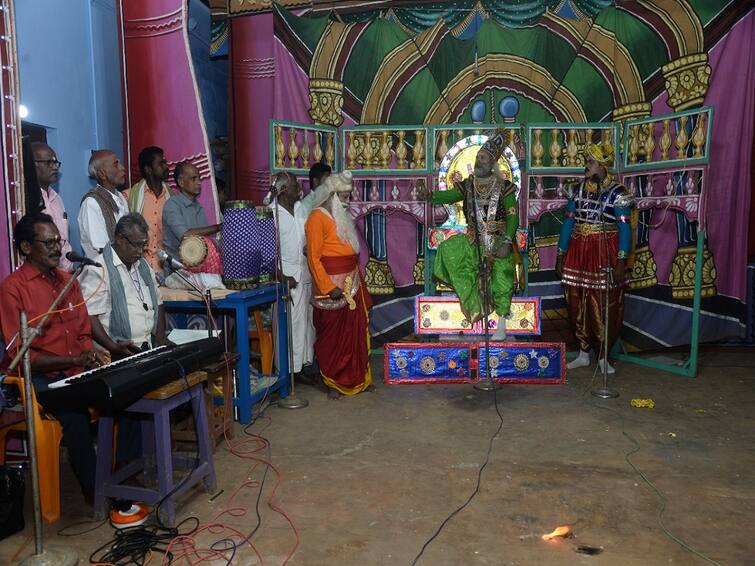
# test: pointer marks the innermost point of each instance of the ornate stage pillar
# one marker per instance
(686, 83)
(252, 70)
(644, 270)
(377, 276)
(326, 101)
(419, 267)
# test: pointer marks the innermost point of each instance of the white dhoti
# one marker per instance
(294, 264)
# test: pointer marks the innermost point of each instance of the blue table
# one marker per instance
(239, 304)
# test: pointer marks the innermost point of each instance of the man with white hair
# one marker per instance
(104, 205)
(341, 302)
(291, 212)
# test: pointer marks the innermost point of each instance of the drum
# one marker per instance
(240, 245)
(200, 254)
(268, 237)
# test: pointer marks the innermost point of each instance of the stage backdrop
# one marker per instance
(162, 106)
(578, 61)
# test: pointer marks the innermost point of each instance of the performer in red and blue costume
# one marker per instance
(593, 252)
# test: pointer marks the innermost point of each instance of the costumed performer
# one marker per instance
(489, 204)
(593, 249)
(341, 302)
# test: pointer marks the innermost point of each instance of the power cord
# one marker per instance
(477, 486)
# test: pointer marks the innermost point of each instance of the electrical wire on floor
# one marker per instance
(627, 457)
(185, 547)
(477, 486)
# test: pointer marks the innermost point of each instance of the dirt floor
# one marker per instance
(368, 480)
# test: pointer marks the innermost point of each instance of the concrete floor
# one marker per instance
(367, 480)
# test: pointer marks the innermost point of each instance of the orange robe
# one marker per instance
(342, 343)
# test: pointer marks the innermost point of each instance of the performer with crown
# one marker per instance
(489, 204)
(593, 250)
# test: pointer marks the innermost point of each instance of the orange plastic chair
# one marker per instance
(261, 341)
(49, 435)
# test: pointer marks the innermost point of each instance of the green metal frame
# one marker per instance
(669, 163)
(689, 368)
(301, 126)
(567, 126)
(388, 172)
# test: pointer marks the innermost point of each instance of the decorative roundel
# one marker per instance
(401, 362)
(522, 362)
(494, 361)
(442, 356)
(444, 315)
(426, 323)
(427, 365)
(543, 362)
(458, 164)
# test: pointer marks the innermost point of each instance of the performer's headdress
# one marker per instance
(495, 144)
(336, 183)
(602, 153)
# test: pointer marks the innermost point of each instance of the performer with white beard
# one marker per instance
(291, 213)
(341, 301)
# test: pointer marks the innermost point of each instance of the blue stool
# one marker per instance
(157, 458)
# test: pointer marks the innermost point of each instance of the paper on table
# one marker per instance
(184, 335)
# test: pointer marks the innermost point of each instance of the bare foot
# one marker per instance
(333, 395)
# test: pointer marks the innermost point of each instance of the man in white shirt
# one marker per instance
(104, 205)
(123, 301)
(291, 213)
(48, 170)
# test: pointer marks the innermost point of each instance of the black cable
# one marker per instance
(482, 269)
(476, 489)
(62, 532)
(134, 545)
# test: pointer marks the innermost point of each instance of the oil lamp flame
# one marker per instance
(558, 532)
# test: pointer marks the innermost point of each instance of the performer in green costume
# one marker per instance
(489, 203)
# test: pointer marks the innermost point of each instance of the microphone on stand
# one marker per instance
(172, 262)
(74, 257)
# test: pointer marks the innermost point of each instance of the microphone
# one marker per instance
(172, 262)
(73, 257)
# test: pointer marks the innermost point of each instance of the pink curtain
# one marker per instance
(162, 102)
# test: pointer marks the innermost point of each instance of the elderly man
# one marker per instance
(489, 202)
(125, 309)
(596, 235)
(183, 214)
(65, 346)
(48, 170)
(291, 214)
(341, 301)
(148, 198)
(104, 205)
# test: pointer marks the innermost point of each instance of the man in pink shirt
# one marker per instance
(48, 170)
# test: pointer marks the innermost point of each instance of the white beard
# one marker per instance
(344, 224)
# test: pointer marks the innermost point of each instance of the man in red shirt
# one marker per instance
(65, 346)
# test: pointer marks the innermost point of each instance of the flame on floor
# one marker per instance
(558, 532)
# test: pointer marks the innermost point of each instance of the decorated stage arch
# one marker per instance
(388, 94)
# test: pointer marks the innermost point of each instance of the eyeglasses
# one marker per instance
(49, 162)
(52, 242)
(138, 246)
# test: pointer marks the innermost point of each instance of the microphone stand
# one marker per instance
(206, 293)
(605, 392)
(291, 401)
(41, 557)
(482, 266)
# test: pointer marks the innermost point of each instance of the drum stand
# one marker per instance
(41, 557)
